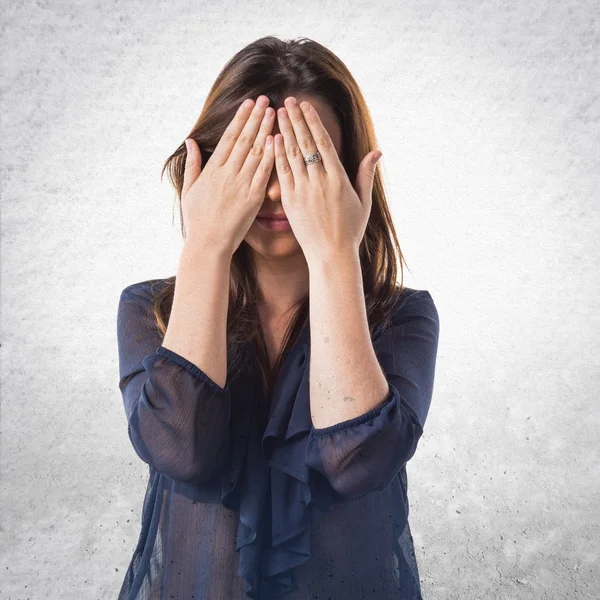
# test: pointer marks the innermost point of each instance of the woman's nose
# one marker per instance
(273, 189)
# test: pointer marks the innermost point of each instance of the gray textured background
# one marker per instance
(488, 116)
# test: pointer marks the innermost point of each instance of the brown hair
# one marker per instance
(277, 69)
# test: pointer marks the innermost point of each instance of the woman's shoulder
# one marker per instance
(145, 290)
(408, 298)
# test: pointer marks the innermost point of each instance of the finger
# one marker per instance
(257, 151)
(284, 171)
(321, 138)
(232, 131)
(193, 163)
(247, 137)
(295, 158)
(263, 171)
(303, 134)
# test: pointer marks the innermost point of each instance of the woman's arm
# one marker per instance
(178, 415)
(198, 323)
(365, 451)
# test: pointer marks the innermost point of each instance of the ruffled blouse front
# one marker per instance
(245, 504)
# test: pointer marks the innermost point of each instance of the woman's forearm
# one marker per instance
(197, 326)
(346, 380)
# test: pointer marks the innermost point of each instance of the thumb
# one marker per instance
(366, 174)
(193, 162)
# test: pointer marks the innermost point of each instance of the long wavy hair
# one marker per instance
(278, 68)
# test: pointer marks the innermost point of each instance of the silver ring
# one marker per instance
(313, 158)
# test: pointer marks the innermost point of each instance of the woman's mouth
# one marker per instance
(274, 224)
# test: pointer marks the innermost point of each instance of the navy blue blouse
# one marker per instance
(243, 504)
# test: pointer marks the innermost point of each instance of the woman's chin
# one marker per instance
(276, 246)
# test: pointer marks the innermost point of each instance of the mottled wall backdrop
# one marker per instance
(488, 117)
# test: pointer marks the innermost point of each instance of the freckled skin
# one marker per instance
(349, 399)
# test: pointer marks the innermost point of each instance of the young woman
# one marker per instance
(278, 385)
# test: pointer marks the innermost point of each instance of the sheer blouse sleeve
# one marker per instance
(365, 453)
(177, 416)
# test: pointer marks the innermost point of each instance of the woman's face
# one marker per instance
(272, 243)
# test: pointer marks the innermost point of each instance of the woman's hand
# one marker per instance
(326, 213)
(221, 201)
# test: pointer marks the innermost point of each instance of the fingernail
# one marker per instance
(187, 145)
